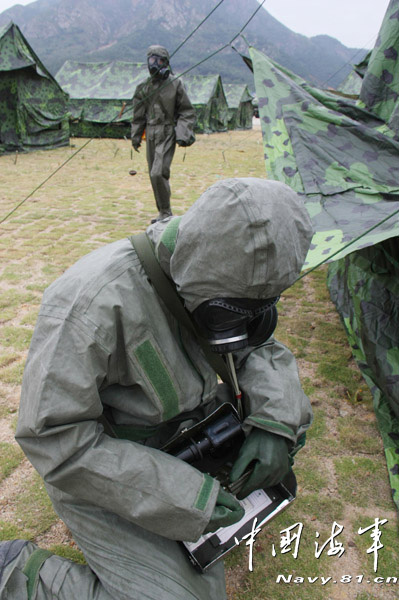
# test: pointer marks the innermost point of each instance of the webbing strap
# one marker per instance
(167, 292)
(32, 568)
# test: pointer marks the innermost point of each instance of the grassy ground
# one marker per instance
(341, 472)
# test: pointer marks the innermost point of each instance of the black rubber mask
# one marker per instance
(158, 66)
(230, 324)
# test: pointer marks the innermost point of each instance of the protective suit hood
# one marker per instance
(158, 50)
(242, 238)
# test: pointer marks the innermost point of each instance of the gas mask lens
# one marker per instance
(234, 323)
(155, 60)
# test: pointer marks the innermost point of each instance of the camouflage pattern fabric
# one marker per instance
(101, 93)
(33, 108)
(240, 108)
(352, 84)
(324, 146)
(208, 98)
(99, 130)
(365, 285)
(342, 155)
(365, 289)
(380, 89)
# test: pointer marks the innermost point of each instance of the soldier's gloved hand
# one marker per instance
(136, 147)
(226, 512)
(181, 143)
(269, 454)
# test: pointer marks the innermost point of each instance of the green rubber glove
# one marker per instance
(226, 512)
(269, 454)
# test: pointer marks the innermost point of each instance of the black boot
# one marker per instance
(163, 214)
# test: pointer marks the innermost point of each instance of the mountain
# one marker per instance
(100, 30)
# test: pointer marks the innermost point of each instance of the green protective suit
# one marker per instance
(104, 340)
(162, 108)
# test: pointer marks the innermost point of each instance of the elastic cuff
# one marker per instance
(205, 492)
(272, 426)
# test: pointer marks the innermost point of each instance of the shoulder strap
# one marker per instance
(167, 291)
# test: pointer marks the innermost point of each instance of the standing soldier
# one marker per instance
(162, 108)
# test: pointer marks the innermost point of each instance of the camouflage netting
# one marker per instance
(101, 96)
(208, 98)
(33, 108)
(342, 154)
(240, 107)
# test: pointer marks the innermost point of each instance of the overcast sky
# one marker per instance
(7, 3)
(355, 23)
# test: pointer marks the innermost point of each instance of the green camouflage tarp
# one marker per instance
(208, 98)
(380, 88)
(33, 108)
(240, 107)
(352, 84)
(365, 289)
(101, 96)
(342, 155)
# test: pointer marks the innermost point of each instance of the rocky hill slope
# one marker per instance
(98, 30)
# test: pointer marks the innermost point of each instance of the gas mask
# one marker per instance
(230, 324)
(158, 66)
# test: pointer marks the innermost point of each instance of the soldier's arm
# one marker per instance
(139, 115)
(59, 432)
(185, 117)
(274, 399)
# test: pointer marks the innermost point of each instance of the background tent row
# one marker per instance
(100, 95)
(209, 100)
(342, 155)
(33, 107)
(100, 99)
(240, 106)
(219, 106)
(93, 99)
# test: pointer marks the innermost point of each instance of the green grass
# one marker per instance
(363, 481)
(33, 508)
(357, 435)
(93, 200)
(310, 475)
(17, 338)
(11, 456)
(8, 531)
(12, 374)
(385, 559)
(68, 552)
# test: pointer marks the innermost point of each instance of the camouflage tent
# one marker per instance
(342, 155)
(240, 107)
(207, 96)
(33, 108)
(101, 96)
(352, 84)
